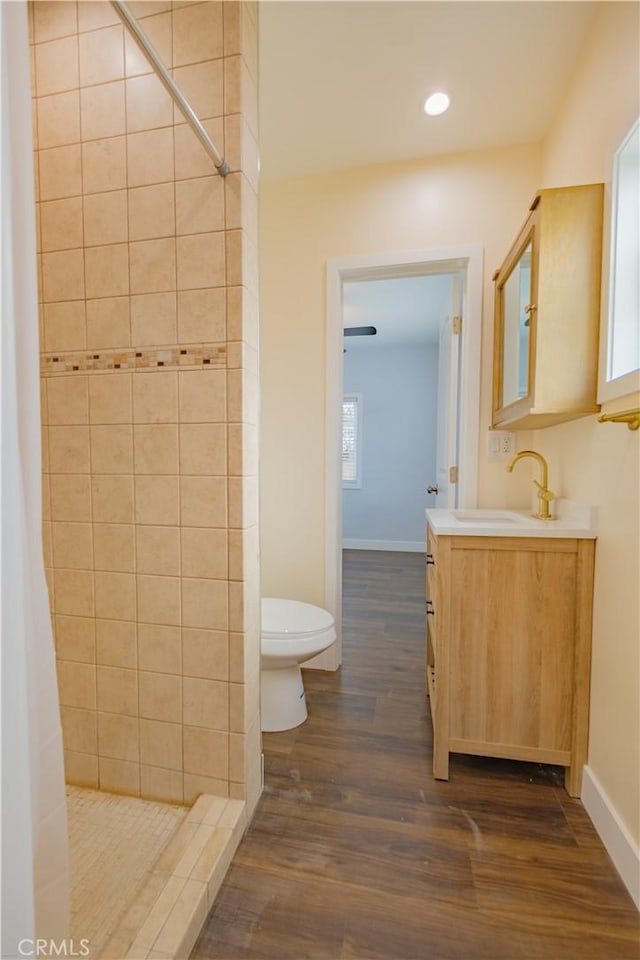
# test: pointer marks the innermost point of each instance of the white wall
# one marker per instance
(399, 392)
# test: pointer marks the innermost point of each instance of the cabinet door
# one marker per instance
(515, 326)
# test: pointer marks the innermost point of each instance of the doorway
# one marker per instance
(465, 262)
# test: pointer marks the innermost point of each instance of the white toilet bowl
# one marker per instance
(292, 632)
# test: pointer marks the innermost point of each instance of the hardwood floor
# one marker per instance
(356, 852)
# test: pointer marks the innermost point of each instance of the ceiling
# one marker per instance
(342, 83)
(406, 311)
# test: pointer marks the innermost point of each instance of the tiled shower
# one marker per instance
(149, 362)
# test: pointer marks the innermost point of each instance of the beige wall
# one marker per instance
(475, 198)
(599, 463)
(148, 283)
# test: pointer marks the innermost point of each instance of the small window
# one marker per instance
(352, 440)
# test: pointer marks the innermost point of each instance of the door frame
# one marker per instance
(379, 267)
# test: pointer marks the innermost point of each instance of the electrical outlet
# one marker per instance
(500, 444)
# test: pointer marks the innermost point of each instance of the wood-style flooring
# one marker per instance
(356, 852)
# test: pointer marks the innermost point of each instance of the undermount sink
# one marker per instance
(490, 517)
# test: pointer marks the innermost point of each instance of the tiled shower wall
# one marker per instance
(148, 288)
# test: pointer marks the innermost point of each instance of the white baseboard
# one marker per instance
(405, 546)
(619, 843)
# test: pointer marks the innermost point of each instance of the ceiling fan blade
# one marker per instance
(360, 331)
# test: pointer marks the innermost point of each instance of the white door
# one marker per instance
(447, 466)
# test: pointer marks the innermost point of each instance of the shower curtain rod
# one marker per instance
(140, 37)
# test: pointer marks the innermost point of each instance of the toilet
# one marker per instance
(292, 633)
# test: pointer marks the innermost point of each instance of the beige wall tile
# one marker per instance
(236, 707)
(112, 499)
(113, 547)
(159, 648)
(152, 212)
(155, 397)
(159, 784)
(108, 323)
(153, 266)
(153, 319)
(68, 400)
(200, 205)
(52, 19)
(159, 599)
(149, 106)
(69, 449)
(61, 224)
(105, 221)
(206, 752)
(118, 737)
(47, 544)
(158, 30)
(205, 703)
(205, 604)
(79, 730)
(201, 316)
(72, 545)
(119, 776)
(201, 261)
(205, 654)
(202, 86)
(203, 449)
(110, 398)
(77, 684)
(204, 553)
(156, 448)
(157, 500)
(197, 33)
(160, 697)
(195, 786)
(81, 769)
(117, 691)
(203, 501)
(236, 657)
(112, 449)
(158, 551)
(60, 172)
(63, 275)
(101, 56)
(73, 591)
(92, 15)
(116, 644)
(190, 156)
(64, 326)
(75, 640)
(203, 396)
(104, 165)
(59, 119)
(236, 757)
(115, 596)
(70, 497)
(107, 270)
(161, 744)
(235, 554)
(102, 111)
(150, 157)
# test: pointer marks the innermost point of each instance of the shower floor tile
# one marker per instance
(114, 843)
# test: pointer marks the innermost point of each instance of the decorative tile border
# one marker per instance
(193, 355)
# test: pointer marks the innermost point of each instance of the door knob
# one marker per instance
(432, 489)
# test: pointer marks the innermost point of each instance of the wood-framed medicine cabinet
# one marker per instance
(547, 309)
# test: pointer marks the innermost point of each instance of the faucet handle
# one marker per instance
(544, 493)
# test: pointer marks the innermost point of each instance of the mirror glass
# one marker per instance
(624, 286)
(516, 300)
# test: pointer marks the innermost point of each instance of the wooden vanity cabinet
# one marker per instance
(509, 649)
(547, 312)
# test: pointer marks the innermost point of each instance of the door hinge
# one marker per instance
(456, 325)
(453, 474)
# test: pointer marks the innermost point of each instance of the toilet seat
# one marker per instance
(293, 619)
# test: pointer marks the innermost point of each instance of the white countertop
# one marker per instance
(573, 519)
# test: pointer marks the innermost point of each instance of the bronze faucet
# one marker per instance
(545, 496)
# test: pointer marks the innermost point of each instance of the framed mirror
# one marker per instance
(620, 335)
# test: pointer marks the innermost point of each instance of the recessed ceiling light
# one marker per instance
(436, 104)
